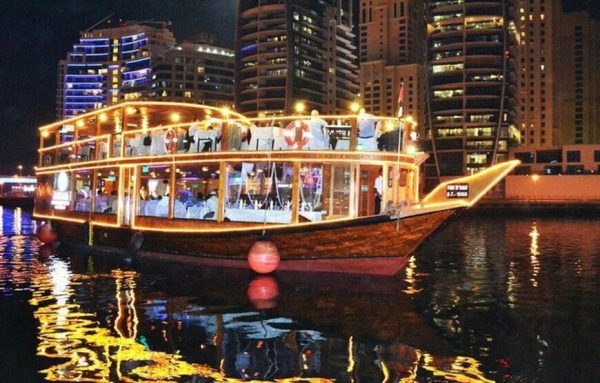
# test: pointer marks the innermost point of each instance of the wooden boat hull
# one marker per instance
(369, 245)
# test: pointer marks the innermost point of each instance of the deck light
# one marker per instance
(103, 117)
(299, 107)
(535, 177)
(226, 111)
(175, 117)
(80, 123)
(355, 107)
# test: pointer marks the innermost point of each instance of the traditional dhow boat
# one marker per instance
(332, 193)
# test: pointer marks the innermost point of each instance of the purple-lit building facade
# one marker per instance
(109, 65)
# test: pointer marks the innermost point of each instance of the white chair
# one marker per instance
(162, 208)
(179, 209)
(262, 138)
(150, 209)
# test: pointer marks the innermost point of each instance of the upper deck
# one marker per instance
(135, 132)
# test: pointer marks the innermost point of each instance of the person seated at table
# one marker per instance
(200, 197)
(212, 204)
(112, 203)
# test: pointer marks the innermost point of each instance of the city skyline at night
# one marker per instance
(38, 35)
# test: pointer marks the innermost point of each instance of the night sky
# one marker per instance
(35, 34)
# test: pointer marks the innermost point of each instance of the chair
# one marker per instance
(150, 209)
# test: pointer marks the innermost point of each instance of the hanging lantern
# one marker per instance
(46, 233)
(263, 257)
(263, 292)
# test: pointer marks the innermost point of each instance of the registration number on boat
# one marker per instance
(457, 191)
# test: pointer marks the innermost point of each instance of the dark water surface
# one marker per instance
(485, 299)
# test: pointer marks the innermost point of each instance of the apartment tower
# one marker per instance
(194, 72)
(289, 51)
(577, 80)
(469, 66)
(393, 51)
(536, 25)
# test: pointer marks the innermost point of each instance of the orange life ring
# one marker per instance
(290, 134)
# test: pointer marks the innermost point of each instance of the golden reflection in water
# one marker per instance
(351, 361)
(459, 369)
(534, 250)
(93, 353)
(511, 285)
(411, 273)
(17, 221)
(1, 222)
(127, 319)
(401, 363)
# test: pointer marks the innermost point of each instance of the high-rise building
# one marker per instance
(393, 52)
(60, 88)
(109, 65)
(577, 79)
(198, 73)
(289, 51)
(535, 25)
(469, 67)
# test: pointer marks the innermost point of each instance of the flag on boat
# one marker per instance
(401, 100)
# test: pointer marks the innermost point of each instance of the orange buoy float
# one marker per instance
(263, 292)
(46, 233)
(291, 137)
(263, 257)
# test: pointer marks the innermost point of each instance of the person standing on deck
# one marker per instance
(319, 139)
(378, 192)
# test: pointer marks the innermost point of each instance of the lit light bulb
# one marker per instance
(299, 107)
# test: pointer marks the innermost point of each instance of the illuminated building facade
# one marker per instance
(198, 73)
(289, 51)
(535, 24)
(393, 48)
(109, 65)
(469, 67)
(577, 79)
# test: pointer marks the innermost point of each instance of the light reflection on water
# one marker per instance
(467, 308)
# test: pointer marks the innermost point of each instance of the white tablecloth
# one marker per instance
(252, 215)
(197, 212)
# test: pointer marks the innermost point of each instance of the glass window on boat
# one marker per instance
(49, 139)
(324, 191)
(154, 191)
(259, 192)
(117, 142)
(85, 150)
(66, 153)
(107, 191)
(196, 191)
(83, 190)
(61, 192)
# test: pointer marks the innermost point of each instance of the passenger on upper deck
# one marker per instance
(368, 131)
(319, 139)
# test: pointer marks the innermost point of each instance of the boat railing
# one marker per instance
(128, 131)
